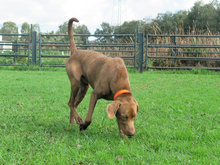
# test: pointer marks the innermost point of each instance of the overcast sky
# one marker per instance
(49, 14)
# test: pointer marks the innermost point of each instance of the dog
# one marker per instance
(109, 79)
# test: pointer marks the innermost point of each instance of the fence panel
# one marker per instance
(182, 52)
(118, 45)
(14, 52)
(161, 51)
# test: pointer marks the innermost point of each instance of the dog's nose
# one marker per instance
(131, 133)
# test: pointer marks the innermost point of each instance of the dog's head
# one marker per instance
(125, 109)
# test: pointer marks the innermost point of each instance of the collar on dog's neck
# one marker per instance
(121, 92)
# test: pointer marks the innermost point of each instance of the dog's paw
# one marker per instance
(82, 127)
(79, 121)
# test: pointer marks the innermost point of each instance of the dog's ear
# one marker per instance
(113, 108)
(136, 104)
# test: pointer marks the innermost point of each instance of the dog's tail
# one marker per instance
(70, 34)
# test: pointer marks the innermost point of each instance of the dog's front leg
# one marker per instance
(88, 119)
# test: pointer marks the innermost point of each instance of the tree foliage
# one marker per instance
(201, 18)
(36, 27)
(80, 29)
(128, 27)
(106, 28)
(25, 28)
(11, 28)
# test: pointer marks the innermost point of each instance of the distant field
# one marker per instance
(178, 121)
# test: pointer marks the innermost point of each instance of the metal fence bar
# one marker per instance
(93, 45)
(92, 35)
(52, 65)
(34, 47)
(40, 49)
(146, 56)
(13, 44)
(13, 55)
(188, 68)
(29, 40)
(187, 52)
(188, 46)
(3, 34)
(132, 51)
(199, 52)
(96, 50)
(77, 43)
(55, 56)
(12, 64)
(161, 35)
(67, 56)
(174, 45)
(186, 58)
(135, 52)
(141, 50)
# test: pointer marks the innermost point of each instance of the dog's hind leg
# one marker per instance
(74, 73)
(73, 113)
(84, 86)
(75, 88)
(78, 91)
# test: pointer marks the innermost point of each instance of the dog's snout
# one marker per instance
(131, 133)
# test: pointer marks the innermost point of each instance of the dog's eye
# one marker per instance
(125, 117)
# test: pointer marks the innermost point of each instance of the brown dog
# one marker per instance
(109, 79)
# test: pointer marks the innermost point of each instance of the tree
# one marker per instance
(164, 21)
(36, 27)
(106, 29)
(202, 17)
(82, 29)
(127, 28)
(168, 22)
(179, 20)
(217, 18)
(25, 29)
(11, 28)
(63, 28)
(50, 38)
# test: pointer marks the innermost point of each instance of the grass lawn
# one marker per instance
(178, 121)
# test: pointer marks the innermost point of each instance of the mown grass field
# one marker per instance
(178, 121)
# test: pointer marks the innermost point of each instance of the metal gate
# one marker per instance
(15, 53)
(59, 50)
(179, 54)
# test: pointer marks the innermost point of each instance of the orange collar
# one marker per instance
(121, 92)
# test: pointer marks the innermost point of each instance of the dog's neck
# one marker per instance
(121, 92)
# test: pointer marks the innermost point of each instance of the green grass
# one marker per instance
(178, 121)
